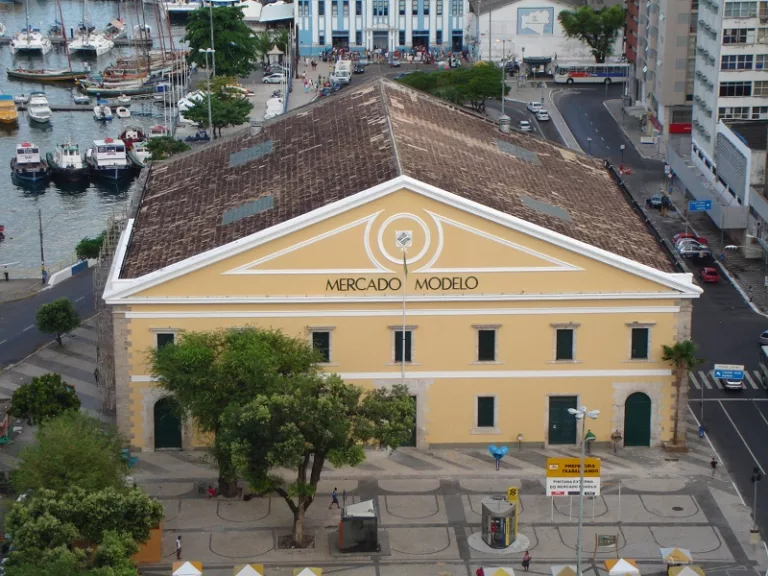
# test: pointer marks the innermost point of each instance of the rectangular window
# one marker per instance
(401, 38)
(426, 7)
(321, 38)
(486, 412)
(455, 7)
(359, 38)
(401, 9)
(762, 35)
(415, 8)
(438, 37)
(321, 10)
(736, 62)
(761, 62)
(759, 112)
(358, 8)
(346, 8)
(486, 345)
(740, 10)
(165, 338)
(399, 345)
(564, 345)
(733, 113)
(736, 88)
(439, 8)
(334, 10)
(321, 343)
(640, 343)
(761, 88)
(735, 35)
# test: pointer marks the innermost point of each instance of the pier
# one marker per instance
(59, 41)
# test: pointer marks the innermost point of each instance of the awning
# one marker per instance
(500, 571)
(275, 51)
(307, 572)
(621, 567)
(676, 555)
(187, 569)
(249, 570)
(563, 570)
(685, 571)
(537, 60)
(276, 11)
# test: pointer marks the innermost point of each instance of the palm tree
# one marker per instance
(682, 356)
(264, 44)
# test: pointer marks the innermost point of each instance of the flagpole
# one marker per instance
(405, 281)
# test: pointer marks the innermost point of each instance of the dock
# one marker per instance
(142, 42)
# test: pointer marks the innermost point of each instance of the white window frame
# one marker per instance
(564, 326)
(156, 331)
(329, 329)
(486, 429)
(649, 326)
(394, 330)
(495, 329)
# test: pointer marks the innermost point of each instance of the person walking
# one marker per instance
(713, 465)
(334, 499)
(526, 560)
(5, 272)
(178, 548)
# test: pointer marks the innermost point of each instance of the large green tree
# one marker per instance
(227, 109)
(58, 317)
(163, 147)
(72, 450)
(89, 248)
(235, 45)
(682, 356)
(310, 418)
(43, 398)
(209, 371)
(597, 28)
(473, 86)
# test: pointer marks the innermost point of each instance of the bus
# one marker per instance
(591, 73)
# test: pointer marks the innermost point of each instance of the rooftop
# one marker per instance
(754, 133)
(364, 136)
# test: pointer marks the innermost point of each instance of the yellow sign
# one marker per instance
(570, 467)
(512, 492)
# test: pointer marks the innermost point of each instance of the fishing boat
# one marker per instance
(139, 154)
(67, 163)
(123, 99)
(8, 113)
(158, 131)
(43, 75)
(115, 29)
(107, 159)
(131, 135)
(27, 164)
(102, 112)
(38, 108)
(30, 41)
(20, 99)
(96, 90)
(79, 99)
(123, 112)
(182, 6)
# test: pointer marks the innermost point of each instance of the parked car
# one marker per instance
(732, 384)
(534, 107)
(690, 241)
(542, 115)
(274, 68)
(277, 78)
(657, 201)
(692, 236)
(524, 126)
(691, 250)
(359, 69)
(363, 61)
(709, 275)
(394, 63)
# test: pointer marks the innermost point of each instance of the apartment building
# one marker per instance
(664, 61)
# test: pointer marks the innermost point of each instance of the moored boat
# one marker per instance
(139, 154)
(30, 41)
(107, 159)
(123, 99)
(42, 75)
(38, 108)
(102, 112)
(67, 163)
(115, 29)
(8, 113)
(131, 135)
(123, 112)
(78, 99)
(27, 164)
(91, 44)
(158, 131)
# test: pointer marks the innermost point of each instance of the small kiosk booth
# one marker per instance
(499, 521)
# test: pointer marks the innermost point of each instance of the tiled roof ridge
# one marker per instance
(392, 138)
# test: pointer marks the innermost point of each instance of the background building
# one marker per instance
(380, 24)
(664, 63)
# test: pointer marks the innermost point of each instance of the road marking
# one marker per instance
(715, 380)
(28, 328)
(601, 138)
(758, 378)
(749, 379)
(761, 414)
(742, 437)
(705, 381)
(696, 384)
(3, 342)
(81, 297)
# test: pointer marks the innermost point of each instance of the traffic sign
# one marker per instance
(699, 205)
(563, 476)
(729, 371)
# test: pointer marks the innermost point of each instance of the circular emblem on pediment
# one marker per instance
(403, 232)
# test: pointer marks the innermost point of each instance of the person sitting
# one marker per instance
(211, 492)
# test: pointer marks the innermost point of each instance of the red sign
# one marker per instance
(680, 128)
(656, 124)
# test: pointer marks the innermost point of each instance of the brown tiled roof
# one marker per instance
(362, 137)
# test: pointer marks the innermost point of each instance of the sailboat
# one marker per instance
(88, 42)
(30, 40)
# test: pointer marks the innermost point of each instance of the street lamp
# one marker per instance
(622, 154)
(210, 18)
(503, 73)
(756, 477)
(207, 51)
(581, 414)
(589, 145)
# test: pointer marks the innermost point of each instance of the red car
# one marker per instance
(681, 235)
(709, 275)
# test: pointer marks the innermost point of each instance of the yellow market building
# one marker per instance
(531, 285)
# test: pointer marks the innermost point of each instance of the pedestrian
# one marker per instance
(713, 465)
(5, 272)
(178, 548)
(306, 60)
(97, 375)
(526, 560)
(334, 499)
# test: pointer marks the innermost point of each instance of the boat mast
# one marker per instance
(85, 23)
(64, 35)
(26, 15)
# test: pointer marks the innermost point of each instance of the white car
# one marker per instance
(687, 242)
(277, 78)
(534, 107)
(542, 115)
(524, 126)
(687, 250)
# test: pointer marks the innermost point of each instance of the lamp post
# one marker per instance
(622, 153)
(503, 73)
(581, 414)
(43, 271)
(213, 57)
(589, 145)
(207, 51)
(756, 477)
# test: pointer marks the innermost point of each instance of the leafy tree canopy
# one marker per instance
(597, 28)
(461, 86)
(73, 450)
(163, 147)
(235, 45)
(226, 110)
(43, 398)
(57, 317)
(268, 39)
(89, 248)
(208, 371)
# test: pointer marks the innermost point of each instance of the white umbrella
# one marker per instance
(187, 569)
(623, 567)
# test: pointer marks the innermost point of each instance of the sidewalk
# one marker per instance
(16, 289)
(633, 131)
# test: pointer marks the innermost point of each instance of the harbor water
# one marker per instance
(68, 213)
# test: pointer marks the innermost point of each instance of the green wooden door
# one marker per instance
(167, 424)
(562, 426)
(637, 420)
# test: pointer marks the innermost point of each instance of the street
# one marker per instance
(517, 111)
(18, 335)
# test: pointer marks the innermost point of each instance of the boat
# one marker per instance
(91, 44)
(38, 108)
(123, 112)
(8, 113)
(79, 99)
(131, 135)
(139, 154)
(3, 29)
(102, 112)
(27, 164)
(66, 162)
(115, 29)
(123, 99)
(142, 32)
(182, 6)
(30, 41)
(158, 131)
(96, 90)
(20, 99)
(56, 30)
(43, 75)
(107, 159)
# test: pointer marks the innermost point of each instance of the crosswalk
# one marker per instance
(705, 380)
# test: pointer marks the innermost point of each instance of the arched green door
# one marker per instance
(637, 420)
(167, 424)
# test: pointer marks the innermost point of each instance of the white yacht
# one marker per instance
(91, 44)
(30, 41)
(182, 6)
(3, 29)
(38, 108)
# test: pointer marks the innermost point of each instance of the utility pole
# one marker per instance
(42, 253)
(756, 477)
(213, 57)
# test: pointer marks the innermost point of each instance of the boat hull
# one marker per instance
(65, 174)
(114, 92)
(35, 173)
(114, 173)
(42, 77)
(40, 119)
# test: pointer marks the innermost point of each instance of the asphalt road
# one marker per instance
(18, 335)
(517, 111)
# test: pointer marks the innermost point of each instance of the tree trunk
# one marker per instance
(297, 534)
(678, 381)
(227, 486)
(58, 339)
